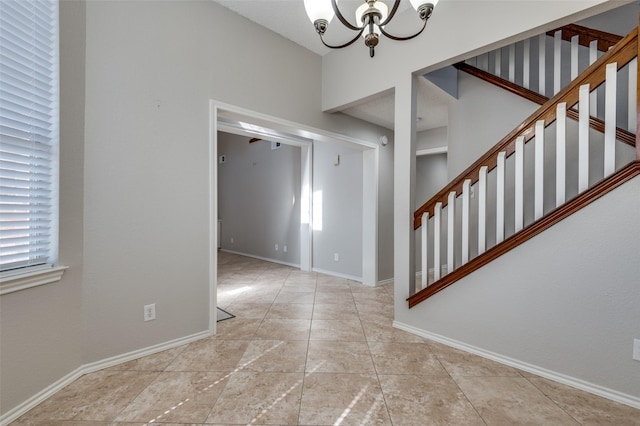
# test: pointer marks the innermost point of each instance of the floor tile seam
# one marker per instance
(306, 363)
(114, 419)
(475, 409)
(551, 399)
(384, 396)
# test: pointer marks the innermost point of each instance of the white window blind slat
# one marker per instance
(28, 133)
(16, 81)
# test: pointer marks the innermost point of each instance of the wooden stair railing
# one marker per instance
(577, 93)
(595, 123)
(586, 36)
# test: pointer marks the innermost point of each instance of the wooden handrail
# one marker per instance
(581, 200)
(594, 122)
(587, 35)
(622, 53)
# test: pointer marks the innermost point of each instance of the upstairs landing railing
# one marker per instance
(544, 170)
(536, 69)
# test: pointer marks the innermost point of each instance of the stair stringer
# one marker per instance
(563, 304)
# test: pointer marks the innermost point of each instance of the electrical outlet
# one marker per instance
(336, 257)
(636, 349)
(276, 247)
(231, 240)
(150, 312)
(284, 249)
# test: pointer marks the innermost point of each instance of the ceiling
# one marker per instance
(289, 19)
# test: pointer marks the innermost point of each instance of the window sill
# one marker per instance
(12, 283)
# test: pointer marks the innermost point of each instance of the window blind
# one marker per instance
(28, 133)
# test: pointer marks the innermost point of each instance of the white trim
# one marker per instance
(293, 131)
(213, 217)
(266, 259)
(338, 274)
(50, 390)
(385, 282)
(432, 151)
(17, 282)
(598, 390)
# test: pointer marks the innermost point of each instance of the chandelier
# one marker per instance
(371, 18)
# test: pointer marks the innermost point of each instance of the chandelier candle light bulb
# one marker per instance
(371, 17)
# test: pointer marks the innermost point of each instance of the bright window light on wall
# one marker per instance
(28, 135)
(317, 211)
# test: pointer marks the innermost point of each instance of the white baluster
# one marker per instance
(502, 156)
(519, 184)
(593, 56)
(451, 222)
(482, 209)
(561, 153)
(557, 61)
(498, 63)
(538, 209)
(542, 57)
(466, 189)
(512, 63)
(575, 46)
(583, 138)
(437, 221)
(425, 254)
(632, 96)
(611, 84)
(593, 51)
(526, 63)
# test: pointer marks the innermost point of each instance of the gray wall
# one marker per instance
(565, 301)
(42, 327)
(135, 176)
(385, 210)
(431, 176)
(341, 191)
(474, 126)
(562, 302)
(259, 198)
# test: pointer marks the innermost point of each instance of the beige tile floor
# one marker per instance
(311, 349)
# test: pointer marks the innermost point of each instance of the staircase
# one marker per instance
(579, 145)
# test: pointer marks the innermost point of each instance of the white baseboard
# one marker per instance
(337, 274)
(385, 282)
(266, 259)
(294, 265)
(50, 390)
(602, 391)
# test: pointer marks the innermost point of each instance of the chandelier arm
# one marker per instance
(349, 43)
(343, 19)
(394, 9)
(392, 37)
